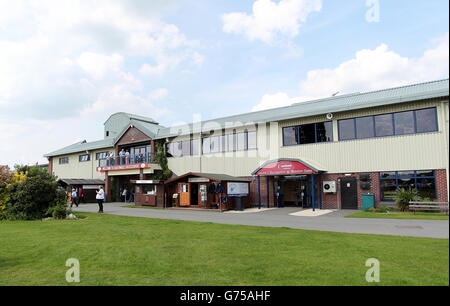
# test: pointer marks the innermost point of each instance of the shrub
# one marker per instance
(32, 194)
(403, 197)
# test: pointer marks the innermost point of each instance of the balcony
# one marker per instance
(124, 162)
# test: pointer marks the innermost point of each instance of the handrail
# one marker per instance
(125, 160)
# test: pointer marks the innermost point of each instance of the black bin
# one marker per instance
(238, 203)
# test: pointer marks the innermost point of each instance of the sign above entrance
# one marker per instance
(284, 167)
(198, 180)
(122, 167)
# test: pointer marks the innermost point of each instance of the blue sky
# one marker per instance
(66, 67)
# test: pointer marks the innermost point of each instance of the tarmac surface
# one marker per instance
(280, 217)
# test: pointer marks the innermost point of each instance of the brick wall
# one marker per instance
(330, 200)
(253, 201)
(441, 185)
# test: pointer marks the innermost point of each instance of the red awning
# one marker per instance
(285, 167)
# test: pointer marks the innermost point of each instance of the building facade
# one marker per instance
(326, 153)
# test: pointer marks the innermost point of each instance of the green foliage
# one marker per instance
(161, 159)
(403, 197)
(32, 195)
(384, 209)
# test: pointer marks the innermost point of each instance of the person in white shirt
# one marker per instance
(100, 198)
(122, 156)
(127, 157)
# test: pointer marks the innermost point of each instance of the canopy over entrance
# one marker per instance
(285, 167)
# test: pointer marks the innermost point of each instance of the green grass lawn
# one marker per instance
(400, 215)
(117, 250)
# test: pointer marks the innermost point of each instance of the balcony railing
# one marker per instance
(125, 160)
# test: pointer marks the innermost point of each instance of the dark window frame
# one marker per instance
(297, 128)
(397, 177)
(84, 161)
(414, 111)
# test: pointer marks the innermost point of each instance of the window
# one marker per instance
(307, 133)
(186, 147)
(85, 157)
(384, 125)
(324, 131)
(230, 143)
(177, 149)
(426, 120)
(424, 182)
(101, 155)
(63, 160)
(401, 123)
(215, 144)
(195, 147)
(169, 149)
(404, 123)
(364, 127)
(290, 136)
(251, 140)
(107, 133)
(347, 129)
(206, 145)
(240, 142)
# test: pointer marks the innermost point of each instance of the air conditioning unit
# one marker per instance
(329, 187)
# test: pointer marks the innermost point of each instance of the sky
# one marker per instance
(66, 65)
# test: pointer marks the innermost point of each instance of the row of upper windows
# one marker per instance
(83, 158)
(399, 123)
(213, 144)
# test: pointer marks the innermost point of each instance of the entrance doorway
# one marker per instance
(296, 191)
(349, 194)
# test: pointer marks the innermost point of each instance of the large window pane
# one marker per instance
(177, 149)
(405, 174)
(324, 131)
(387, 174)
(384, 125)
(206, 145)
(169, 149)
(240, 141)
(388, 189)
(406, 183)
(215, 144)
(230, 142)
(364, 127)
(307, 133)
(186, 148)
(195, 149)
(251, 140)
(426, 120)
(426, 188)
(404, 123)
(347, 129)
(425, 173)
(290, 135)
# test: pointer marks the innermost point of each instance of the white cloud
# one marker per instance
(369, 70)
(158, 94)
(66, 65)
(269, 19)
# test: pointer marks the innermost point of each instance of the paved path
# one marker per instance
(334, 222)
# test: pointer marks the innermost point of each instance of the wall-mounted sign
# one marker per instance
(285, 168)
(235, 189)
(122, 167)
(198, 180)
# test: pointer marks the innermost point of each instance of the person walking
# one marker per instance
(80, 195)
(124, 194)
(74, 198)
(100, 198)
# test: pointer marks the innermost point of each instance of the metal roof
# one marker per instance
(409, 93)
(211, 176)
(82, 181)
(335, 104)
(83, 146)
(136, 117)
